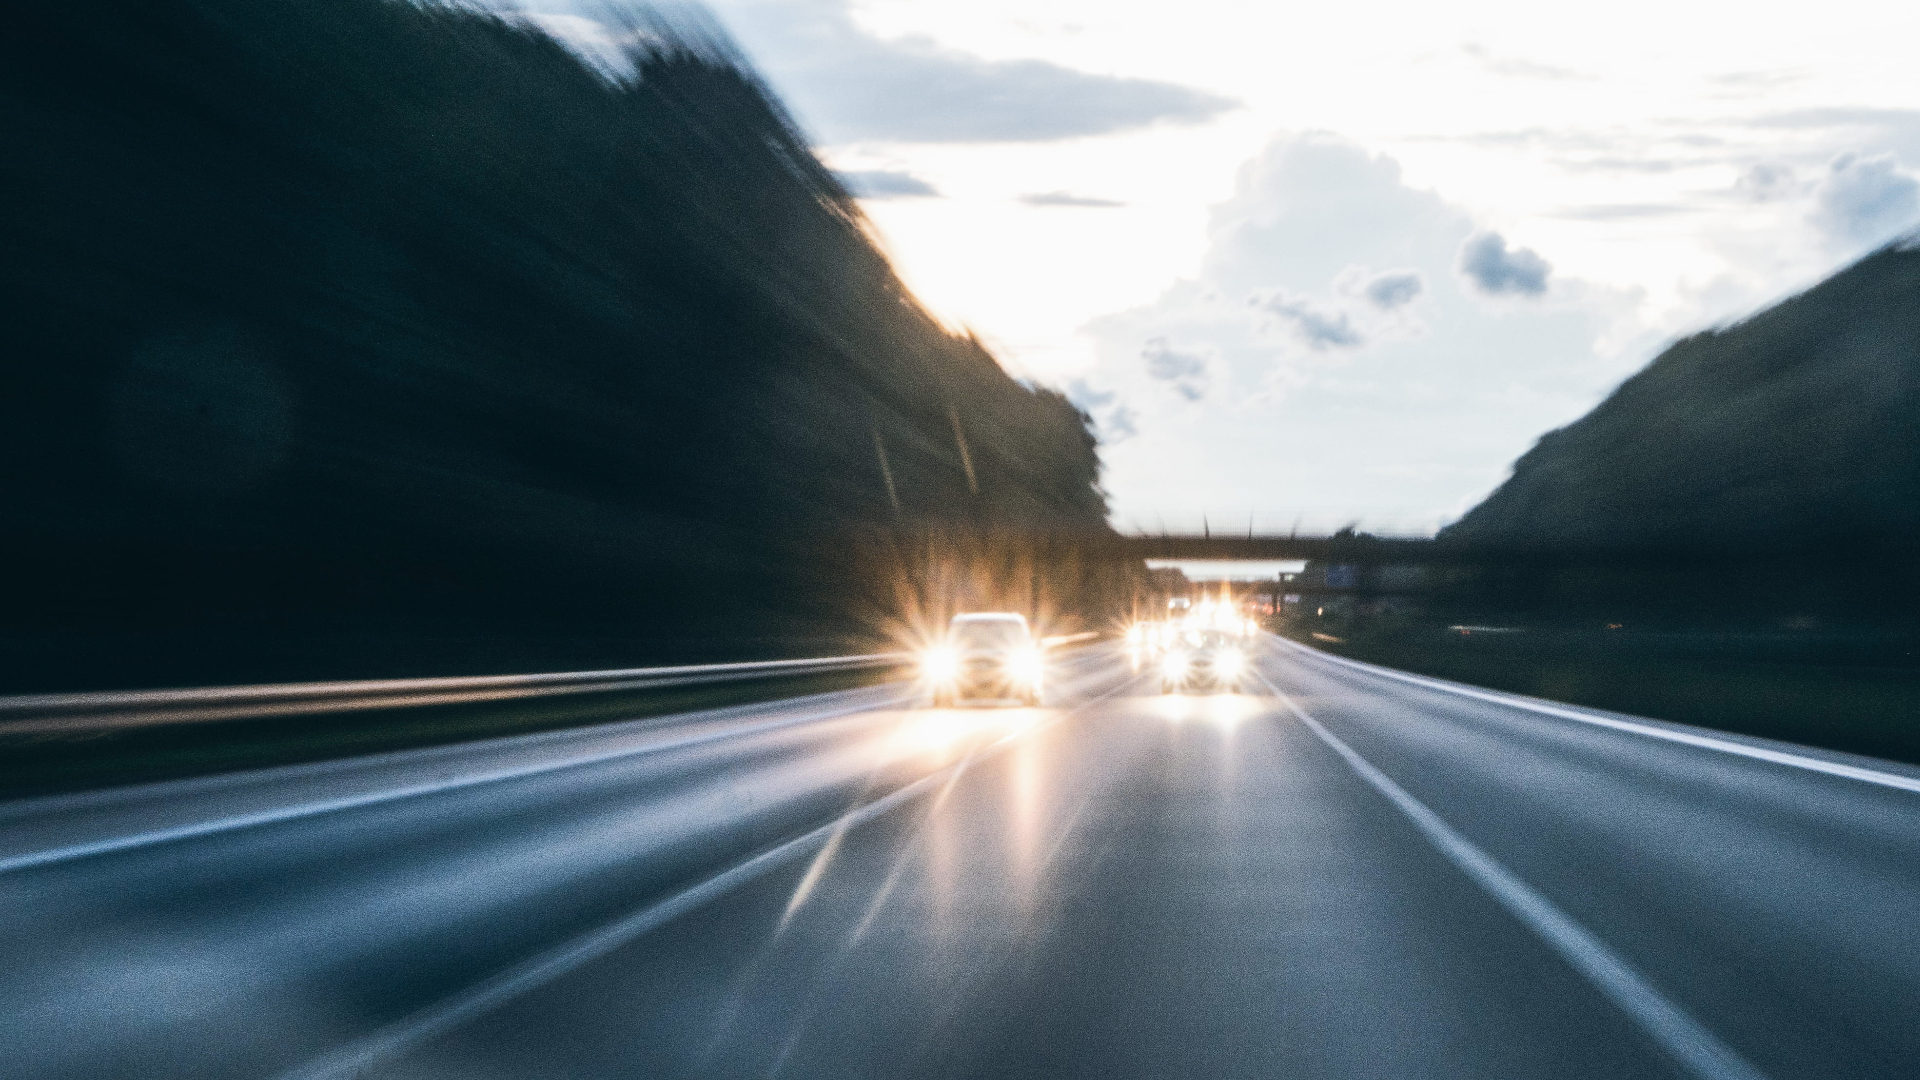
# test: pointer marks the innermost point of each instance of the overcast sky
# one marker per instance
(1335, 263)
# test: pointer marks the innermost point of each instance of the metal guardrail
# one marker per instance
(114, 709)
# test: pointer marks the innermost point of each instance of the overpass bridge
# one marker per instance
(1345, 548)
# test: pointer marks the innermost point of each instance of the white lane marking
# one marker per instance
(110, 845)
(1761, 753)
(129, 842)
(1679, 1034)
(357, 1057)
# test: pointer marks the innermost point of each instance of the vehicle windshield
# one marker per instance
(990, 634)
(1205, 639)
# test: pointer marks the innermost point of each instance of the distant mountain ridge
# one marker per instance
(1797, 427)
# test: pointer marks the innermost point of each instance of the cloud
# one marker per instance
(1834, 129)
(1116, 424)
(1320, 330)
(1619, 211)
(1767, 181)
(1185, 370)
(1515, 67)
(1420, 419)
(1392, 289)
(1839, 116)
(887, 184)
(1313, 205)
(848, 85)
(1614, 149)
(1494, 269)
(1086, 398)
(1626, 163)
(1760, 81)
(1166, 362)
(1062, 198)
(1865, 200)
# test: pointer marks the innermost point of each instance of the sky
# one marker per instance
(1310, 266)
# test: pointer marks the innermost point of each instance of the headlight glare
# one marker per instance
(1025, 665)
(940, 664)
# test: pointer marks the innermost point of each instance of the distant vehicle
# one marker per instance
(1203, 660)
(1148, 638)
(988, 656)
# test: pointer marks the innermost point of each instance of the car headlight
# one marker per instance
(940, 664)
(1025, 665)
(1175, 665)
(1231, 661)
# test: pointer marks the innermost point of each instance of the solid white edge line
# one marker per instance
(1761, 753)
(48, 856)
(360, 1055)
(1679, 1034)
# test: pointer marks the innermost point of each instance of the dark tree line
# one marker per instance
(367, 337)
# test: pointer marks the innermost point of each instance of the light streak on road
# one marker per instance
(1352, 873)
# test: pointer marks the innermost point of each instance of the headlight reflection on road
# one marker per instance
(948, 733)
(1224, 711)
(947, 884)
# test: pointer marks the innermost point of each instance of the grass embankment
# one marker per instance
(1861, 697)
(47, 764)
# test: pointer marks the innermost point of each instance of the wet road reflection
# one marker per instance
(1123, 884)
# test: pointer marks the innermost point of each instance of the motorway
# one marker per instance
(1346, 873)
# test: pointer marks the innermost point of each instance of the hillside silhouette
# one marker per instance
(1796, 430)
(374, 338)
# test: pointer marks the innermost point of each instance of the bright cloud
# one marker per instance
(1324, 399)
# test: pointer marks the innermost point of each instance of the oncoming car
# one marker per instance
(1203, 660)
(988, 656)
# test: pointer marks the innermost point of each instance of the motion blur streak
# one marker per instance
(1131, 885)
(279, 814)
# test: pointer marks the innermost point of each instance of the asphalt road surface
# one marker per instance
(1347, 873)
